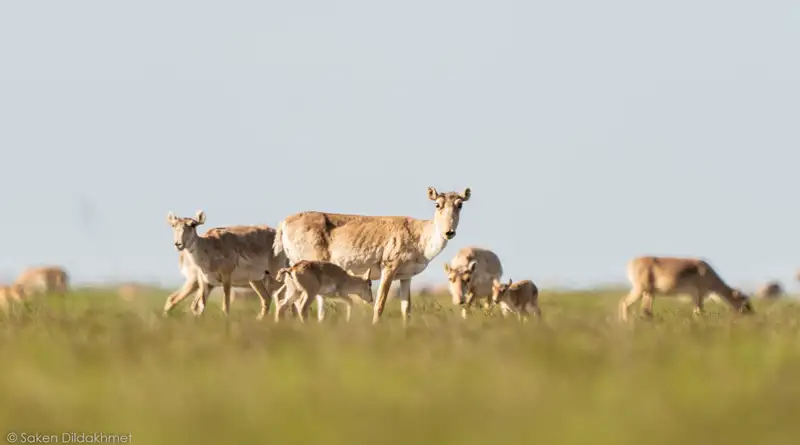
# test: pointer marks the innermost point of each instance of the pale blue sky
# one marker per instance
(588, 131)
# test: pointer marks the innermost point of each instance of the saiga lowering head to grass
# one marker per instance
(664, 275)
(225, 256)
(393, 247)
(470, 274)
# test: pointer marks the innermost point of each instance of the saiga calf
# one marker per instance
(321, 279)
(516, 297)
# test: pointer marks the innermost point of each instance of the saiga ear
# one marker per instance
(432, 194)
(471, 266)
(200, 217)
(170, 218)
(446, 267)
(467, 193)
(509, 281)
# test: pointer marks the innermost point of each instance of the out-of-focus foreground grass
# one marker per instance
(91, 362)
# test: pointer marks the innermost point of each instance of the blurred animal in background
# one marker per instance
(650, 276)
(43, 280)
(243, 293)
(10, 295)
(771, 290)
(470, 274)
(131, 291)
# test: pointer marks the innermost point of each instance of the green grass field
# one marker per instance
(93, 363)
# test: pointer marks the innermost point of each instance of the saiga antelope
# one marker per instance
(322, 280)
(224, 256)
(516, 297)
(665, 275)
(470, 274)
(771, 289)
(10, 295)
(393, 247)
(43, 280)
(191, 274)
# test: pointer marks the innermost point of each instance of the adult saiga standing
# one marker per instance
(393, 247)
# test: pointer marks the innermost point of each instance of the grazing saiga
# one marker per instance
(652, 275)
(470, 274)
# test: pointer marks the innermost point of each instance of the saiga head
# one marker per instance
(458, 281)
(448, 210)
(362, 286)
(741, 302)
(184, 230)
(499, 290)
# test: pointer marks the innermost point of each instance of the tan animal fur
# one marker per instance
(10, 295)
(516, 297)
(130, 291)
(322, 280)
(191, 274)
(666, 275)
(393, 247)
(232, 256)
(470, 274)
(43, 280)
(771, 289)
(243, 293)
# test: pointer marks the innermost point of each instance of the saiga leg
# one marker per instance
(466, 308)
(263, 295)
(290, 297)
(387, 276)
(699, 298)
(628, 300)
(176, 297)
(199, 303)
(226, 297)
(198, 298)
(647, 304)
(279, 292)
(404, 294)
(320, 308)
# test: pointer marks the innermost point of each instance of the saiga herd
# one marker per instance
(314, 256)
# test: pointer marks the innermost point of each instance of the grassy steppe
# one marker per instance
(92, 362)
